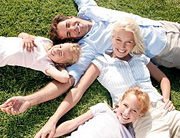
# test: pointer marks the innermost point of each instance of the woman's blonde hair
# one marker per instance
(130, 25)
(143, 99)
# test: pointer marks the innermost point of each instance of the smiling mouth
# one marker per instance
(121, 51)
(124, 117)
(77, 28)
(52, 52)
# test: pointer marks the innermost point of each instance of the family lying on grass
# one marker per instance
(114, 52)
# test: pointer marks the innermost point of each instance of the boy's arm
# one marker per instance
(28, 41)
(71, 125)
(158, 75)
(59, 75)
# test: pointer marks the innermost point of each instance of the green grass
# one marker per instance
(34, 17)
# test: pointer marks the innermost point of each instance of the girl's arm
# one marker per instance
(28, 41)
(158, 75)
(59, 75)
(71, 125)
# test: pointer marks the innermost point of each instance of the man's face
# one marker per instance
(72, 28)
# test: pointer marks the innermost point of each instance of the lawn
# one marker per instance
(34, 17)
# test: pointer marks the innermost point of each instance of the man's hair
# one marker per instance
(53, 29)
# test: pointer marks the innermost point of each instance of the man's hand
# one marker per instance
(15, 105)
(48, 130)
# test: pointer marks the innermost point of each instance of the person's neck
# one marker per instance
(89, 26)
(47, 47)
(126, 58)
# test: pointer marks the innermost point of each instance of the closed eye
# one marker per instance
(68, 33)
(61, 53)
(125, 105)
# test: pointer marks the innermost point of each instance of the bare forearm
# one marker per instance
(71, 99)
(65, 128)
(49, 92)
(70, 125)
(165, 88)
(75, 94)
(22, 35)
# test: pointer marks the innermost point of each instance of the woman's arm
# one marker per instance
(158, 75)
(71, 99)
(71, 125)
(59, 75)
(28, 41)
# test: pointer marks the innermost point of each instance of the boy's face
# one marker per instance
(72, 28)
(128, 110)
(60, 53)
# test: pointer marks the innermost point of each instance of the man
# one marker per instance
(94, 33)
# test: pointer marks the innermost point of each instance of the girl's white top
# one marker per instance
(12, 53)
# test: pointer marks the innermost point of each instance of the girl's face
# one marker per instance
(123, 43)
(60, 53)
(128, 110)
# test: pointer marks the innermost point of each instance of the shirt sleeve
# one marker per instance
(45, 41)
(98, 61)
(84, 3)
(146, 59)
(98, 108)
(88, 54)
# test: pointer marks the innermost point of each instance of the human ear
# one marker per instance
(140, 115)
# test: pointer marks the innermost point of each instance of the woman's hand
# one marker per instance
(168, 105)
(47, 131)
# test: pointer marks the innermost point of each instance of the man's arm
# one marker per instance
(84, 3)
(71, 99)
(19, 104)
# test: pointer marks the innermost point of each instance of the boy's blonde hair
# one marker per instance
(143, 99)
(130, 25)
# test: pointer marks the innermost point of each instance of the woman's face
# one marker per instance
(60, 53)
(123, 43)
(128, 110)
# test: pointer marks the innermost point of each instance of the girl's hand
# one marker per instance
(168, 105)
(28, 41)
(47, 131)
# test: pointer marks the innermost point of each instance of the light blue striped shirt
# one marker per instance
(117, 76)
(98, 40)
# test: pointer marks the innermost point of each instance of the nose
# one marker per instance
(127, 111)
(122, 45)
(71, 29)
(57, 50)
